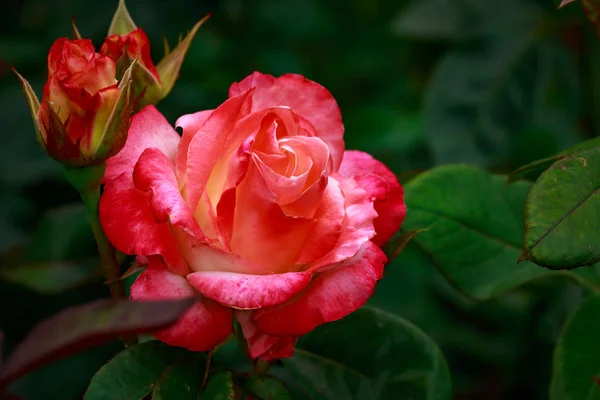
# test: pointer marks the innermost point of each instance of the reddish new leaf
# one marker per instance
(565, 2)
(591, 9)
(78, 328)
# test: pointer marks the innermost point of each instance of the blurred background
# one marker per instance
(419, 82)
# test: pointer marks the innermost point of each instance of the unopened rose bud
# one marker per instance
(85, 112)
(126, 43)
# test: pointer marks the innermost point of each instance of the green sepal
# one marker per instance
(121, 23)
(114, 135)
(34, 106)
(76, 34)
(168, 68)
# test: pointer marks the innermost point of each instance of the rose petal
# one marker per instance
(357, 227)
(261, 345)
(329, 222)
(128, 220)
(262, 233)
(248, 292)
(204, 257)
(202, 327)
(330, 296)
(154, 172)
(190, 124)
(389, 203)
(149, 128)
(305, 98)
(207, 145)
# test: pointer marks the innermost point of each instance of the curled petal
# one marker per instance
(248, 292)
(203, 326)
(305, 98)
(154, 172)
(208, 144)
(149, 128)
(330, 296)
(383, 187)
(129, 222)
(357, 227)
(330, 220)
(262, 233)
(261, 345)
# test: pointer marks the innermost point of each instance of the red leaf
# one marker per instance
(565, 2)
(81, 327)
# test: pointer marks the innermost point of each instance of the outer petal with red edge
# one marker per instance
(383, 186)
(129, 222)
(248, 292)
(331, 296)
(149, 128)
(202, 327)
(154, 172)
(261, 345)
(305, 98)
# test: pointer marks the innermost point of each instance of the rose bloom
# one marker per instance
(257, 209)
(136, 44)
(82, 91)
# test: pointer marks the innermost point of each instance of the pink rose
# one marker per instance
(258, 209)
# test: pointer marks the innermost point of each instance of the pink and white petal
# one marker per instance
(262, 233)
(205, 257)
(331, 296)
(149, 128)
(261, 345)
(357, 227)
(389, 204)
(328, 226)
(305, 98)
(154, 173)
(190, 124)
(203, 326)
(248, 292)
(128, 220)
(208, 144)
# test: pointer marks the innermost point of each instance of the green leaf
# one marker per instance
(394, 359)
(77, 328)
(266, 387)
(562, 213)
(576, 373)
(533, 170)
(179, 381)
(168, 68)
(219, 387)
(137, 371)
(474, 229)
(121, 23)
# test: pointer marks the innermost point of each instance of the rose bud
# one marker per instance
(257, 209)
(126, 43)
(85, 113)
